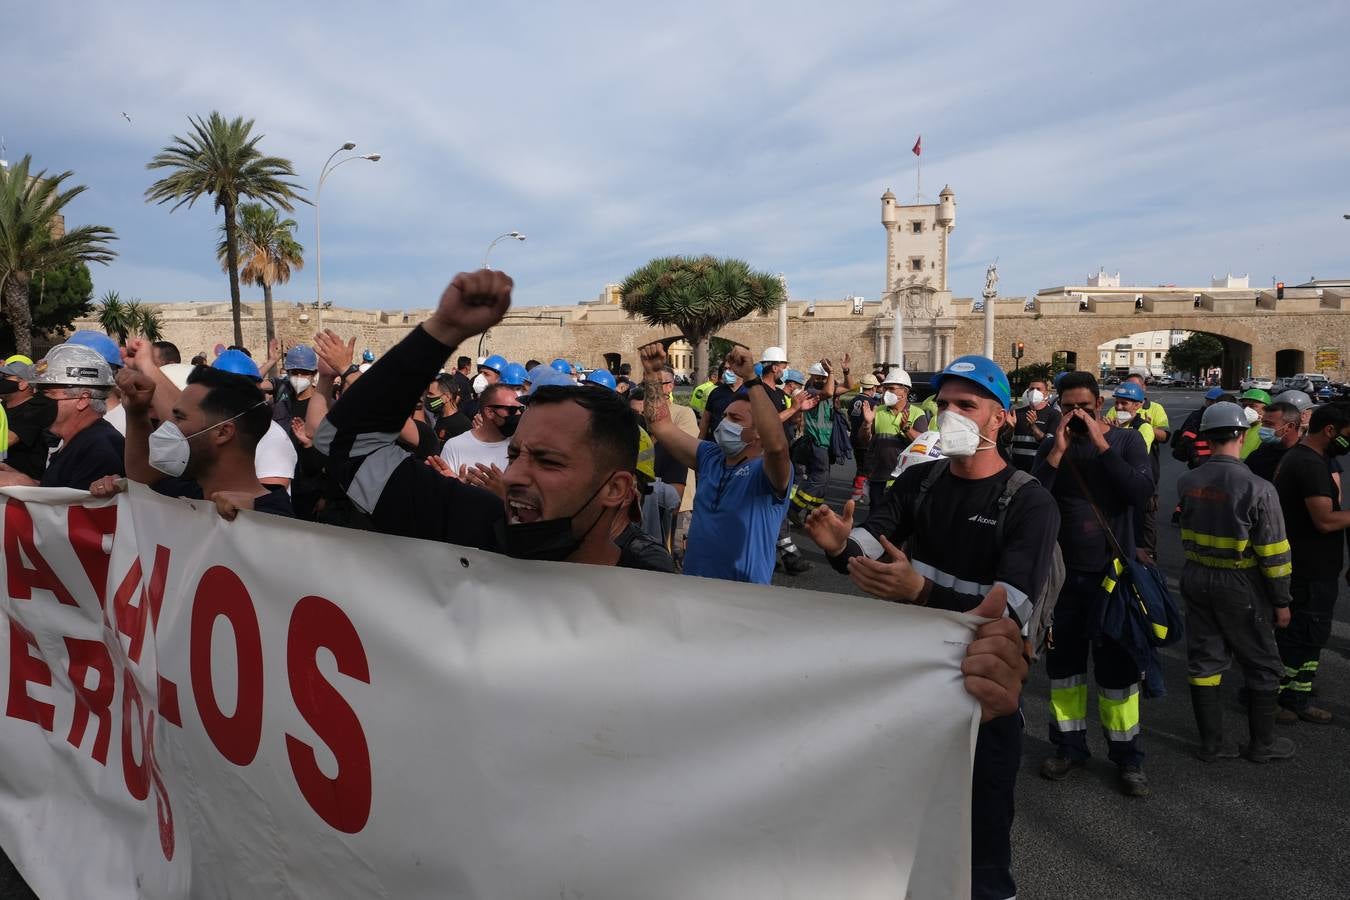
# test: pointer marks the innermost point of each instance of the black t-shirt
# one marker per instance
(1305, 473)
(951, 539)
(28, 423)
(451, 426)
(275, 502)
(1265, 459)
(855, 416)
(718, 401)
(93, 453)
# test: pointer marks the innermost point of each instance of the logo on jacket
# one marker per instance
(982, 520)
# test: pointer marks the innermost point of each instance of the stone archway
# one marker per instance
(1242, 354)
(1289, 361)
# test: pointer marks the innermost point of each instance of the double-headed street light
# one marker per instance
(498, 239)
(318, 239)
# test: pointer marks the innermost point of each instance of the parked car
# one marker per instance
(1330, 391)
(1257, 382)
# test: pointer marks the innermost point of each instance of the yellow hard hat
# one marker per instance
(19, 358)
(646, 459)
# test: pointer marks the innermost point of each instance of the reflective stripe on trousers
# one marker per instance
(1068, 700)
(1119, 711)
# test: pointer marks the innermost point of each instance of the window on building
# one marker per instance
(1139, 357)
(916, 263)
(916, 227)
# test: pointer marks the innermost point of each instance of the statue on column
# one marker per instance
(991, 282)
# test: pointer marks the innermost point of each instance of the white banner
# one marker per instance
(266, 708)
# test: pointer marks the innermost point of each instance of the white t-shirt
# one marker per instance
(467, 450)
(275, 456)
(117, 418)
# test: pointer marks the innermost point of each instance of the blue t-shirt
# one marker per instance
(737, 513)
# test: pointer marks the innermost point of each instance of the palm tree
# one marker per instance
(115, 317)
(32, 240)
(699, 295)
(144, 320)
(220, 158)
(268, 251)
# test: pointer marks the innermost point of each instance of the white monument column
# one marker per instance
(898, 333)
(990, 294)
(782, 317)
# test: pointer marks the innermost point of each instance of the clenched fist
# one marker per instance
(471, 304)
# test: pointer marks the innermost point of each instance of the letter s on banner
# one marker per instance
(221, 593)
(344, 801)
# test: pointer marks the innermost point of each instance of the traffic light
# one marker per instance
(1018, 349)
(1279, 290)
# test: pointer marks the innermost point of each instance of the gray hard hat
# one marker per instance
(74, 365)
(1297, 399)
(1224, 416)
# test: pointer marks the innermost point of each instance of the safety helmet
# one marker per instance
(646, 458)
(773, 355)
(177, 373)
(1257, 395)
(513, 375)
(897, 376)
(531, 374)
(561, 365)
(603, 378)
(18, 367)
(1297, 399)
(545, 376)
(1224, 416)
(759, 370)
(100, 343)
(367, 355)
(496, 362)
(73, 365)
(1060, 377)
(981, 371)
(237, 362)
(1128, 390)
(817, 370)
(18, 358)
(1214, 393)
(794, 375)
(868, 381)
(302, 357)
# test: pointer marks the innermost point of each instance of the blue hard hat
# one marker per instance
(302, 357)
(496, 362)
(1128, 390)
(561, 365)
(602, 378)
(237, 362)
(549, 377)
(1060, 377)
(1214, 393)
(367, 355)
(759, 370)
(532, 375)
(513, 374)
(794, 375)
(100, 343)
(981, 371)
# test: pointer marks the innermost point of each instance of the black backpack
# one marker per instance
(1037, 628)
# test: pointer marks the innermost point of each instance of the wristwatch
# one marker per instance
(353, 368)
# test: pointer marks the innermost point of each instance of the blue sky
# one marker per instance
(1170, 141)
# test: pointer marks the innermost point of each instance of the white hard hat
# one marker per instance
(773, 355)
(74, 365)
(177, 373)
(897, 376)
(817, 370)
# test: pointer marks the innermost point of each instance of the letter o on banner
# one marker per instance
(220, 593)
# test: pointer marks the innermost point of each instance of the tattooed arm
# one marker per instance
(683, 447)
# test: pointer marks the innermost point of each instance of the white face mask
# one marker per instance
(300, 383)
(1034, 397)
(960, 436)
(480, 383)
(169, 448)
(728, 437)
(1124, 415)
(889, 399)
(1252, 415)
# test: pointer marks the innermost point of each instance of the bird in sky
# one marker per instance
(127, 117)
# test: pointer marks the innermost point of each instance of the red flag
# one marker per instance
(918, 149)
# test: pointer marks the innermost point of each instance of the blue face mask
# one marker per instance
(728, 377)
(1267, 435)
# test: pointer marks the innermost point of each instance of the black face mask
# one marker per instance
(547, 539)
(508, 427)
(45, 408)
(1339, 446)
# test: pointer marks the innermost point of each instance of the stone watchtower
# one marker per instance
(916, 278)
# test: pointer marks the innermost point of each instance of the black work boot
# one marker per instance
(1265, 746)
(793, 564)
(1209, 719)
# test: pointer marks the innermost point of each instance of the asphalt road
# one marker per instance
(1224, 830)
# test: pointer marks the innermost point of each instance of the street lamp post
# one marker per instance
(498, 239)
(318, 233)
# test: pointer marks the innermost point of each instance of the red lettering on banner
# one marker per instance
(168, 702)
(135, 773)
(25, 668)
(343, 802)
(87, 656)
(163, 811)
(131, 617)
(220, 593)
(23, 577)
(88, 527)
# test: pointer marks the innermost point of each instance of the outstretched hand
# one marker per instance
(471, 304)
(829, 529)
(895, 579)
(335, 355)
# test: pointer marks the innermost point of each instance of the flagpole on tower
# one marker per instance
(918, 182)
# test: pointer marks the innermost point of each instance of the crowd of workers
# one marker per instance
(1021, 509)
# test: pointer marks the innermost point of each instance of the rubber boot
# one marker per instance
(1265, 746)
(1209, 719)
(859, 488)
